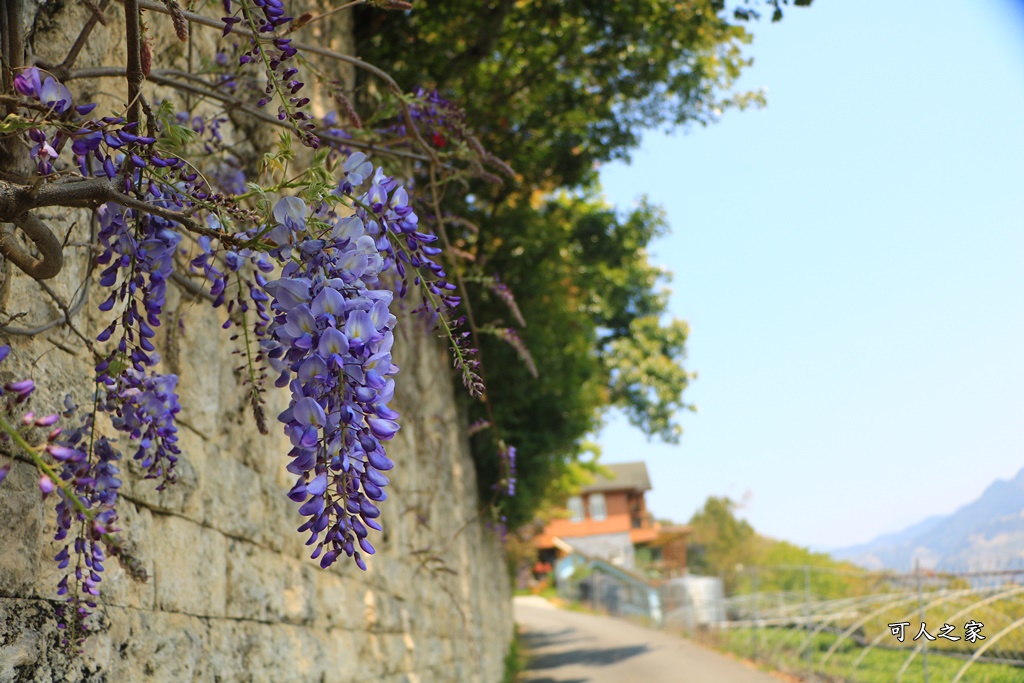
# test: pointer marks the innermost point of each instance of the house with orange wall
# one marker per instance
(607, 519)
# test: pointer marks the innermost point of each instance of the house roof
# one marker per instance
(629, 476)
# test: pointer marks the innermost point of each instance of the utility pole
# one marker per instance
(756, 631)
(920, 611)
(807, 621)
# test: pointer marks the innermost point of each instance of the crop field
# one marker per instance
(944, 630)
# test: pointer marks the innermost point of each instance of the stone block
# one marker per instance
(229, 497)
(22, 529)
(118, 588)
(266, 586)
(339, 602)
(157, 647)
(191, 573)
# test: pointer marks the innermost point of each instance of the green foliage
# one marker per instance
(780, 567)
(724, 545)
(589, 295)
(568, 480)
(721, 543)
(878, 665)
(645, 376)
(515, 660)
(13, 123)
(554, 89)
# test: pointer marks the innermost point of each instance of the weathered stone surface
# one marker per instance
(193, 579)
(21, 531)
(232, 594)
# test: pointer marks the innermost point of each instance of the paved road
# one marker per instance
(569, 647)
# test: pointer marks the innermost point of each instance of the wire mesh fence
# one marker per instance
(605, 587)
(828, 625)
(836, 626)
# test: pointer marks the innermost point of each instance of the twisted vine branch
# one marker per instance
(50, 249)
(16, 202)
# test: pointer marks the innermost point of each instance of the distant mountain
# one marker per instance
(987, 533)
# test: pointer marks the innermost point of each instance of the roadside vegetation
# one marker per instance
(879, 665)
(515, 660)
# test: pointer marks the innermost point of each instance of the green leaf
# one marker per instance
(13, 123)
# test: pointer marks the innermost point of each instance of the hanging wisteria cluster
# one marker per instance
(306, 266)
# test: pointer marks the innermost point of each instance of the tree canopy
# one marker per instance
(722, 544)
(593, 311)
(555, 89)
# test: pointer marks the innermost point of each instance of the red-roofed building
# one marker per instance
(607, 519)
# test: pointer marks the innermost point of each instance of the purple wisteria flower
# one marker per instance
(86, 488)
(55, 95)
(50, 92)
(318, 282)
(268, 43)
(92, 474)
(330, 341)
(27, 82)
(138, 255)
(94, 143)
(508, 460)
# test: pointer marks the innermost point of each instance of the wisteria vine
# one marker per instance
(306, 265)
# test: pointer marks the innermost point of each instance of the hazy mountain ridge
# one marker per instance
(986, 533)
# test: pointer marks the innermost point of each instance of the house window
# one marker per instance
(575, 506)
(598, 508)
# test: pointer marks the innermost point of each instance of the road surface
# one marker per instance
(570, 647)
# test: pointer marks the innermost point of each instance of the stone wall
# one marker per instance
(232, 595)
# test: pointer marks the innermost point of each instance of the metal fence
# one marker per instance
(606, 587)
(830, 626)
(827, 625)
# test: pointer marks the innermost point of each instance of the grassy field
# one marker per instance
(779, 647)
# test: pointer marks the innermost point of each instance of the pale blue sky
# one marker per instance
(851, 262)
